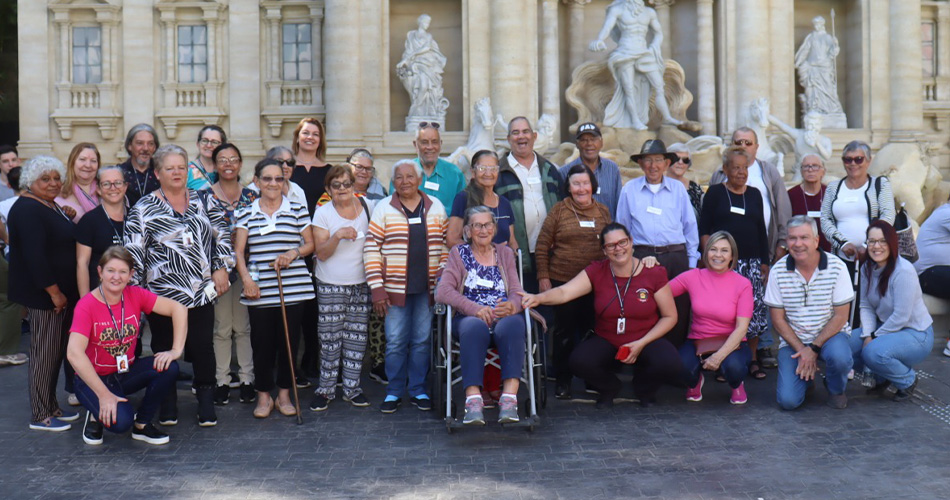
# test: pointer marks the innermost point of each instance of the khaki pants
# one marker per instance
(231, 324)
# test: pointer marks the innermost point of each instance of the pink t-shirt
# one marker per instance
(92, 320)
(717, 300)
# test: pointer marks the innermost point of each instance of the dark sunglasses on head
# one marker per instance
(434, 125)
(857, 160)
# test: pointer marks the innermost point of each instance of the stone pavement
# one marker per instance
(874, 449)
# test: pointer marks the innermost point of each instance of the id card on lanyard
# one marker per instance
(121, 361)
(622, 320)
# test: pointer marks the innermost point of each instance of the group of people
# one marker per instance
(653, 273)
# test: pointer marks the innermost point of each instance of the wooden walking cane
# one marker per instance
(290, 355)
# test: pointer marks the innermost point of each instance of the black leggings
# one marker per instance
(934, 281)
(572, 321)
(659, 362)
(199, 347)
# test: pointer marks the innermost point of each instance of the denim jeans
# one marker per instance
(408, 329)
(892, 356)
(508, 336)
(141, 375)
(836, 353)
(734, 368)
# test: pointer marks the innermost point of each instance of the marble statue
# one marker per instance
(817, 72)
(808, 141)
(420, 71)
(757, 118)
(635, 65)
(916, 183)
(480, 137)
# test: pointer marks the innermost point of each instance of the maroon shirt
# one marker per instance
(639, 303)
(803, 203)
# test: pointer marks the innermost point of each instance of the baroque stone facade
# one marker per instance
(89, 69)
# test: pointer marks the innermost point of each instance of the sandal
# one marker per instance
(756, 371)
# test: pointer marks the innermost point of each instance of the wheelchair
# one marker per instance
(448, 396)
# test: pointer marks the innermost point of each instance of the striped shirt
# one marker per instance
(267, 238)
(809, 305)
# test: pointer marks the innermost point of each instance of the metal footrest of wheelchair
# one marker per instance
(530, 423)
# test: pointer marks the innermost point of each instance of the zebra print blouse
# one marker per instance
(175, 254)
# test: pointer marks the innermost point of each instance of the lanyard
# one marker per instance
(115, 230)
(806, 196)
(121, 321)
(141, 185)
(86, 196)
(729, 194)
(617, 288)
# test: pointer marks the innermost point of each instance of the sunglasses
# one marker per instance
(268, 179)
(743, 142)
(290, 163)
(848, 160)
(685, 161)
(434, 125)
(341, 185)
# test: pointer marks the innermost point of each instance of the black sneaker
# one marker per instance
(92, 431)
(248, 394)
(149, 434)
(766, 359)
(358, 400)
(222, 394)
(424, 404)
(905, 394)
(319, 402)
(562, 391)
(378, 374)
(168, 420)
(390, 406)
(302, 382)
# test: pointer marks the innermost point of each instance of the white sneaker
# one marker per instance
(13, 359)
(72, 400)
(946, 350)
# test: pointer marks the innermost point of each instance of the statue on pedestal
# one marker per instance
(420, 71)
(635, 65)
(815, 60)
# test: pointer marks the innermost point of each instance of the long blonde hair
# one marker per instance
(71, 165)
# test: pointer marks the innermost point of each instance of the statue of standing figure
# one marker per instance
(815, 60)
(635, 65)
(420, 71)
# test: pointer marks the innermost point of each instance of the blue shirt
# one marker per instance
(661, 219)
(609, 183)
(444, 184)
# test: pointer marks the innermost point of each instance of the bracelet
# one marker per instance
(297, 249)
(815, 348)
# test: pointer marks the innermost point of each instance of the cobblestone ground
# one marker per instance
(874, 449)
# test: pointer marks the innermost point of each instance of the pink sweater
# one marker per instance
(717, 300)
(447, 292)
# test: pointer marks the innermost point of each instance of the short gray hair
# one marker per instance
(677, 147)
(110, 168)
(360, 153)
(276, 150)
(801, 220)
(472, 212)
(406, 161)
(165, 151)
(139, 128)
(35, 167)
(855, 146)
(745, 130)
(817, 157)
(734, 151)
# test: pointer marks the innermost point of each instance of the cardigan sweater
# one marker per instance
(454, 276)
(880, 206)
(386, 252)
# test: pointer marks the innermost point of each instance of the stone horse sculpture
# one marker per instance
(481, 135)
(757, 119)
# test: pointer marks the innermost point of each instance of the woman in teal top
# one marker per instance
(201, 171)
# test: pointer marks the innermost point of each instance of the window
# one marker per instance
(928, 30)
(297, 52)
(87, 55)
(192, 54)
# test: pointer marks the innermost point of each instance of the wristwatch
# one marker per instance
(815, 348)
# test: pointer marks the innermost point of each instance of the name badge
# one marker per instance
(654, 211)
(270, 228)
(187, 238)
(415, 220)
(737, 210)
(431, 185)
(117, 240)
(210, 292)
(621, 326)
(122, 363)
(481, 282)
(588, 223)
(534, 180)
(814, 214)
(359, 234)
(598, 190)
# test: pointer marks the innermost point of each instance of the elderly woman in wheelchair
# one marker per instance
(480, 283)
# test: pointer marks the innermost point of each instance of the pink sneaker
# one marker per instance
(696, 393)
(738, 395)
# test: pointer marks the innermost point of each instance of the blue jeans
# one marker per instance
(836, 353)
(508, 335)
(892, 356)
(141, 375)
(734, 368)
(408, 329)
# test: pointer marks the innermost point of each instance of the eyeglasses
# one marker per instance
(234, 160)
(276, 180)
(685, 161)
(478, 226)
(848, 160)
(341, 185)
(610, 247)
(361, 168)
(486, 169)
(209, 142)
(880, 243)
(743, 142)
(434, 125)
(290, 163)
(111, 185)
(811, 167)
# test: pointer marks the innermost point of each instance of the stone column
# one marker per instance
(514, 58)
(33, 31)
(372, 99)
(478, 26)
(905, 71)
(550, 69)
(244, 78)
(343, 96)
(316, 45)
(575, 30)
(752, 53)
(782, 55)
(663, 13)
(706, 66)
(878, 103)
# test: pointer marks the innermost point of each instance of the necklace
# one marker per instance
(52, 205)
